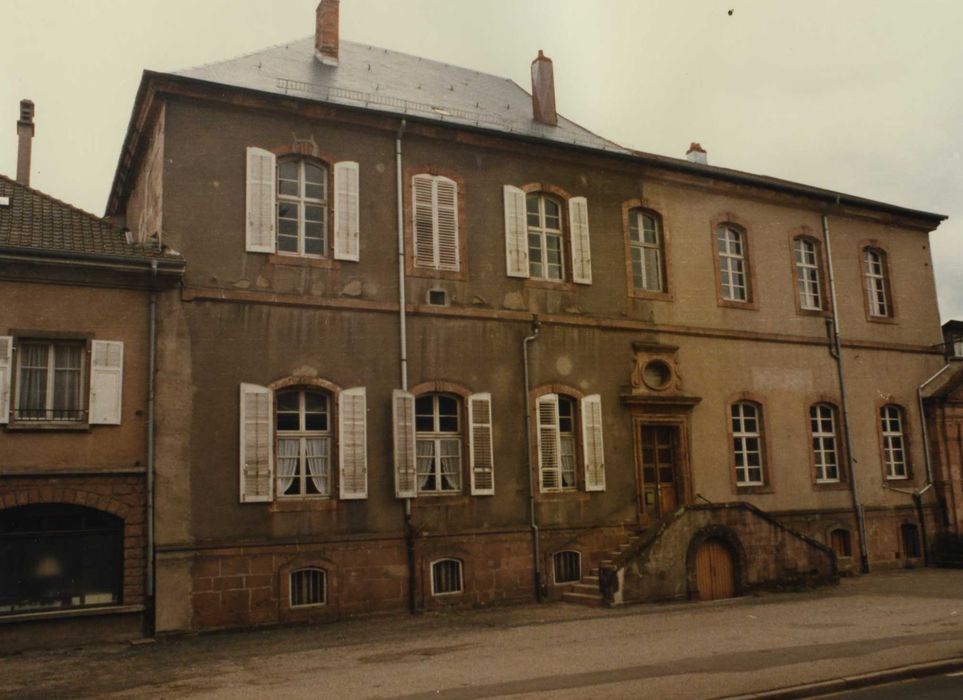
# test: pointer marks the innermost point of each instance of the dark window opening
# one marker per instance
(446, 577)
(909, 533)
(568, 567)
(839, 540)
(59, 556)
(307, 587)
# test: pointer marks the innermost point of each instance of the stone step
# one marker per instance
(586, 588)
(593, 601)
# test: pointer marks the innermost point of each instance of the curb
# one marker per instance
(838, 685)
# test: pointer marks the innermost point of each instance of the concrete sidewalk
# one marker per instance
(697, 650)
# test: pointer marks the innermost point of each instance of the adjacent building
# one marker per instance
(437, 345)
(74, 417)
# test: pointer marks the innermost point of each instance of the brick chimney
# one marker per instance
(543, 90)
(25, 134)
(697, 154)
(326, 32)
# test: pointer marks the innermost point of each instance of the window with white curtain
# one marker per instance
(438, 443)
(50, 381)
(303, 421)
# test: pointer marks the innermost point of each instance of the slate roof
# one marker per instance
(383, 80)
(34, 221)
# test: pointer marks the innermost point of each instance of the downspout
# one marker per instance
(536, 553)
(403, 353)
(838, 355)
(151, 372)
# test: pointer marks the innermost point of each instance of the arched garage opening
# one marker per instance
(58, 556)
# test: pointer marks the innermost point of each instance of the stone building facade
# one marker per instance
(435, 348)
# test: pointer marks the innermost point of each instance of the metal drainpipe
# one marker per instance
(403, 341)
(536, 553)
(918, 495)
(151, 365)
(850, 458)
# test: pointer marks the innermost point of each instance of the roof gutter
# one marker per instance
(112, 262)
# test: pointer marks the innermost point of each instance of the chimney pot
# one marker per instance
(326, 42)
(543, 90)
(25, 129)
(697, 154)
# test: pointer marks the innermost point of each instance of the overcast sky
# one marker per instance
(864, 97)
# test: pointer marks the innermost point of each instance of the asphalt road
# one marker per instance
(695, 650)
(943, 687)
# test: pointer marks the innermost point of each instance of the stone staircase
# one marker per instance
(587, 591)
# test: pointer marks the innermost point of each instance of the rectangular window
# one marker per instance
(438, 443)
(50, 381)
(732, 264)
(568, 567)
(302, 201)
(807, 274)
(894, 454)
(303, 443)
(822, 418)
(646, 249)
(747, 443)
(874, 271)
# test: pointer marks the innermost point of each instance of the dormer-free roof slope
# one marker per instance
(34, 222)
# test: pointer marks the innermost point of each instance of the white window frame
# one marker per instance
(877, 284)
(894, 442)
(731, 253)
(806, 257)
(543, 233)
(825, 443)
(301, 201)
(741, 435)
(555, 559)
(324, 587)
(640, 248)
(438, 439)
(303, 435)
(461, 577)
(48, 409)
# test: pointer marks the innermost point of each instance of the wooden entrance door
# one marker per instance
(660, 473)
(715, 573)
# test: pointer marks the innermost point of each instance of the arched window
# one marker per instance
(308, 587)
(59, 556)
(877, 282)
(910, 538)
(438, 425)
(303, 421)
(894, 442)
(841, 542)
(545, 246)
(733, 265)
(647, 248)
(822, 423)
(302, 207)
(446, 577)
(747, 444)
(568, 566)
(806, 256)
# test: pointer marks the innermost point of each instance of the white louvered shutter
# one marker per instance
(549, 443)
(581, 251)
(480, 452)
(256, 444)
(594, 452)
(347, 204)
(422, 196)
(106, 382)
(353, 443)
(6, 368)
(403, 421)
(446, 223)
(261, 201)
(516, 232)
